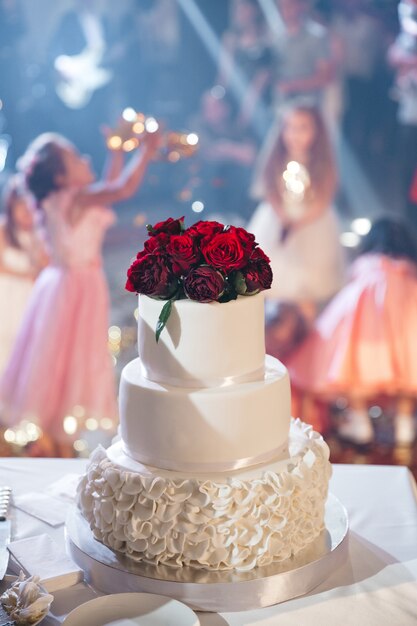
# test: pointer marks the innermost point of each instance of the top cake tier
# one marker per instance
(203, 345)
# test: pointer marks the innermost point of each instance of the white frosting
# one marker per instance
(203, 344)
(237, 521)
(209, 429)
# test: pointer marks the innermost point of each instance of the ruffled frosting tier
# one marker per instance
(216, 522)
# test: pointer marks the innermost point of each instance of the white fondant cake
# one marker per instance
(203, 345)
(208, 429)
(208, 472)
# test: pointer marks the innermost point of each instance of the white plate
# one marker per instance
(143, 609)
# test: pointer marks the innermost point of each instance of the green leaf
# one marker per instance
(163, 318)
(240, 284)
(149, 228)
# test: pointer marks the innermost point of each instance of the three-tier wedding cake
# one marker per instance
(210, 470)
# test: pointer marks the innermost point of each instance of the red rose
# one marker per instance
(225, 251)
(169, 226)
(183, 252)
(246, 239)
(257, 276)
(258, 254)
(205, 229)
(152, 276)
(157, 244)
(204, 284)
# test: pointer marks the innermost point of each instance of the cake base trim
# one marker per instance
(233, 522)
(112, 572)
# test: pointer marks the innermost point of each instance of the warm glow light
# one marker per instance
(33, 431)
(192, 139)
(115, 334)
(293, 167)
(349, 239)
(129, 114)
(361, 226)
(9, 435)
(138, 128)
(197, 206)
(136, 313)
(174, 156)
(106, 423)
(80, 445)
(21, 438)
(295, 186)
(130, 144)
(70, 424)
(114, 142)
(91, 424)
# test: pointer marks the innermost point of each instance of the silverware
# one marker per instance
(5, 527)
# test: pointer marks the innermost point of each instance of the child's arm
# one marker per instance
(126, 184)
(113, 166)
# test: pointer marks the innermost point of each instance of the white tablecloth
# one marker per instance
(376, 587)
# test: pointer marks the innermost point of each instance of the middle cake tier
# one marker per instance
(208, 429)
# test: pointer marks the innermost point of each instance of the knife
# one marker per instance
(5, 494)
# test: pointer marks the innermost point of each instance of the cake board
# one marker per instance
(219, 591)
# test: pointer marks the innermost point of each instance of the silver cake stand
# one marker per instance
(110, 572)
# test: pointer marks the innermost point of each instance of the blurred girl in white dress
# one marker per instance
(295, 223)
(22, 256)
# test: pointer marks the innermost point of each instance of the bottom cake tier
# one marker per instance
(237, 520)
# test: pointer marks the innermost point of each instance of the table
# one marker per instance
(376, 587)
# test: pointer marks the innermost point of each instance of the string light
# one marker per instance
(70, 424)
(192, 139)
(114, 142)
(106, 423)
(151, 125)
(80, 445)
(130, 144)
(361, 226)
(197, 206)
(9, 435)
(129, 114)
(349, 239)
(91, 424)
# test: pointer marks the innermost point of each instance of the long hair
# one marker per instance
(260, 21)
(42, 163)
(392, 237)
(274, 158)
(13, 191)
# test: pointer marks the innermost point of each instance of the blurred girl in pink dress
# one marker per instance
(60, 365)
(22, 256)
(364, 344)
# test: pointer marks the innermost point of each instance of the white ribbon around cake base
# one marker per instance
(112, 572)
(198, 383)
(209, 468)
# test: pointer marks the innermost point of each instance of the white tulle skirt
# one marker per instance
(309, 264)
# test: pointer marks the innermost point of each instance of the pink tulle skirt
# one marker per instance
(60, 364)
(365, 341)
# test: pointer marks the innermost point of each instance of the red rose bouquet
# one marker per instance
(207, 262)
